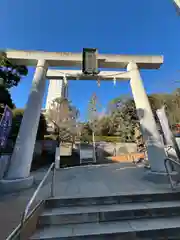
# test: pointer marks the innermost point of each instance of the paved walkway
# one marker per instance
(101, 180)
(84, 181)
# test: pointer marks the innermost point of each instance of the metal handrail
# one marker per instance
(167, 170)
(25, 213)
(16, 232)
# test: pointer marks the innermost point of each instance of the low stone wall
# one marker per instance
(47, 145)
(50, 146)
(118, 148)
(105, 151)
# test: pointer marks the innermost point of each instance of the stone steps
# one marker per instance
(57, 202)
(128, 229)
(140, 216)
(103, 213)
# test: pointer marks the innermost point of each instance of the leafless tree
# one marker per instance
(63, 118)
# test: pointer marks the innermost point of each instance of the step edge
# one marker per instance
(45, 213)
(115, 195)
(131, 229)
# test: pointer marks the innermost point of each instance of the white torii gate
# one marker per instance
(177, 4)
(18, 175)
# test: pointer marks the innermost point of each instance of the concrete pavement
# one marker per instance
(82, 181)
(102, 180)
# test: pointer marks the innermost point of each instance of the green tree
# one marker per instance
(10, 74)
(104, 126)
(93, 113)
(122, 120)
(85, 131)
(170, 101)
(5, 99)
(124, 117)
(17, 118)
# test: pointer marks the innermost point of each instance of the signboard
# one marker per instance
(90, 64)
(86, 153)
(5, 126)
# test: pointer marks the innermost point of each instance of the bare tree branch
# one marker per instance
(63, 115)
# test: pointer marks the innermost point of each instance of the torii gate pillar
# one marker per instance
(19, 171)
(151, 136)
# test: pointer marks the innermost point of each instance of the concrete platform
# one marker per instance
(84, 181)
(104, 180)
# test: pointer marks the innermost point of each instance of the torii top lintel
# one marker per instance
(70, 59)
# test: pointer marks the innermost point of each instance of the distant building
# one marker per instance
(55, 90)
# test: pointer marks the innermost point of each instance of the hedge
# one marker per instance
(101, 138)
(88, 138)
(50, 137)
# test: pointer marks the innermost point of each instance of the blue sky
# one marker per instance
(116, 26)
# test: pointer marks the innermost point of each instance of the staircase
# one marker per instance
(141, 216)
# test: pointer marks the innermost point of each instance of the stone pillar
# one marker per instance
(23, 152)
(155, 148)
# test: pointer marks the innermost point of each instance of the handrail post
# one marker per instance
(53, 182)
(167, 171)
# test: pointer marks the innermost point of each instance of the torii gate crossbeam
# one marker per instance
(69, 59)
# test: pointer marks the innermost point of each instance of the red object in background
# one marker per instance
(177, 128)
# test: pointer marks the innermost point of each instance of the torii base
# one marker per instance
(160, 177)
(16, 185)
